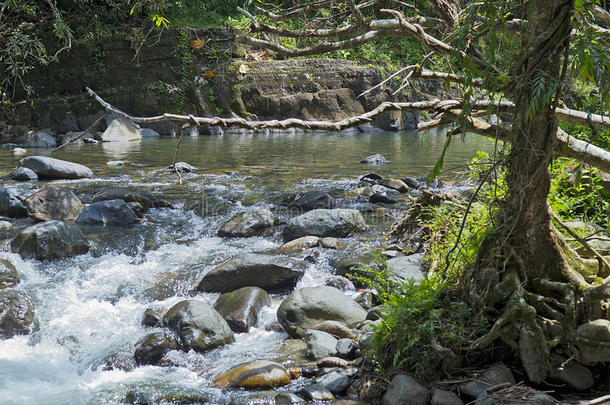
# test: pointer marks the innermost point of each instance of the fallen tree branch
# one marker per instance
(85, 132)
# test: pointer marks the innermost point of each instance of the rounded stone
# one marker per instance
(254, 375)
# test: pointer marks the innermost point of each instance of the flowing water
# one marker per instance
(89, 308)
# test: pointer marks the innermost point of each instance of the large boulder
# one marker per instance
(50, 240)
(123, 194)
(337, 223)
(248, 223)
(107, 213)
(240, 308)
(198, 325)
(405, 390)
(152, 347)
(39, 139)
(121, 130)
(312, 200)
(254, 375)
(404, 268)
(11, 203)
(49, 168)
(8, 274)
(16, 314)
(53, 203)
(309, 306)
(271, 273)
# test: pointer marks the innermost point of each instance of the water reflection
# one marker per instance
(121, 150)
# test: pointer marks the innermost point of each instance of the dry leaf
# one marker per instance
(243, 69)
(208, 73)
(258, 56)
(197, 43)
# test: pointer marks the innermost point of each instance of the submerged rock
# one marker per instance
(123, 194)
(337, 223)
(254, 375)
(16, 314)
(240, 308)
(376, 159)
(49, 241)
(309, 306)
(53, 203)
(154, 346)
(198, 325)
(49, 168)
(8, 274)
(107, 213)
(248, 223)
(11, 203)
(271, 273)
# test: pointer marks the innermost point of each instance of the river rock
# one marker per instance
(53, 203)
(39, 139)
(381, 199)
(137, 209)
(49, 168)
(149, 133)
(493, 375)
(23, 174)
(361, 191)
(288, 398)
(405, 390)
(297, 245)
(151, 317)
(442, 397)
(183, 167)
(320, 344)
(312, 200)
(154, 346)
(411, 182)
(376, 159)
(592, 340)
(5, 226)
(107, 213)
(121, 130)
(8, 274)
(337, 223)
(316, 393)
(248, 223)
(346, 348)
(405, 268)
(309, 306)
(364, 299)
(254, 375)
(576, 376)
(338, 329)
(16, 314)
(198, 325)
(240, 308)
(50, 240)
(394, 184)
(340, 282)
(334, 381)
(271, 273)
(11, 203)
(123, 194)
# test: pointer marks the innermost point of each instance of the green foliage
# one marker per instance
(542, 93)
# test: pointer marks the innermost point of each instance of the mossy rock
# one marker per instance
(8, 274)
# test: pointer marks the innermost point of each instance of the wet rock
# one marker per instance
(366, 192)
(8, 274)
(16, 314)
(320, 344)
(493, 375)
(53, 203)
(405, 390)
(316, 392)
(5, 225)
(346, 348)
(39, 139)
(300, 244)
(340, 282)
(309, 306)
(357, 265)
(182, 398)
(271, 273)
(394, 184)
(23, 174)
(371, 178)
(376, 159)
(338, 329)
(334, 381)
(381, 199)
(592, 340)
(149, 133)
(312, 200)
(330, 243)
(137, 208)
(183, 167)
(442, 397)
(123, 194)
(49, 168)
(11, 203)
(288, 398)
(411, 182)
(254, 375)
(406, 267)
(154, 346)
(240, 308)
(121, 130)
(107, 213)
(248, 223)
(338, 223)
(151, 317)
(49, 241)
(198, 325)
(576, 376)
(119, 361)
(364, 299)
(331, 362)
